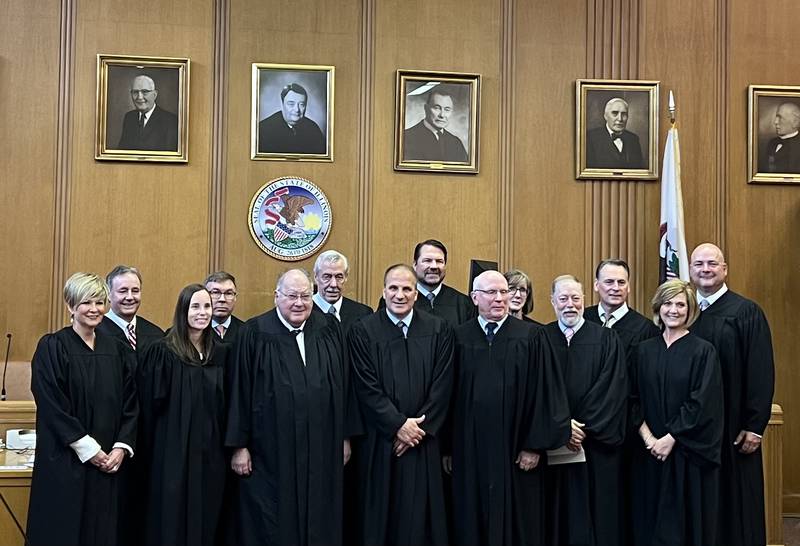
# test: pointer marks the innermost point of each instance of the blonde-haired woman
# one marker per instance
(678, 409)
(86, 417)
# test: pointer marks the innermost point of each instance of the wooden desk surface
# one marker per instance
(15, 487)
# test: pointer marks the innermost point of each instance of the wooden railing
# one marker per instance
(772, 451)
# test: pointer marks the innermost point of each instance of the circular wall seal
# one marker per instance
(290, 218)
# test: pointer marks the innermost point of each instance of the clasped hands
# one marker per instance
(108, 463)
(409, 435)
(660, 448)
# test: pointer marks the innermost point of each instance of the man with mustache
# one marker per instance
(330, 274)
(612, 146)
(148, 126)
(585, 501)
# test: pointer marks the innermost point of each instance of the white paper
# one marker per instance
(563, 455)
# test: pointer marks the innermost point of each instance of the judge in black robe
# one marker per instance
(147, 332)
(632, 329)
(231, 331)
(289, 414)
(679, 392)
(585, 499)
(83, 395)
(182, 396)
(508, 398)
(449, 304)
(739, 331)
(399, 379)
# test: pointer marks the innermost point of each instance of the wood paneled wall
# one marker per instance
(63, 211)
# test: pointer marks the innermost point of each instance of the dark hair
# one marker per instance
(296, 87)
(430, 242)
(438, 90)
(612, 261)
(121, 270)
(220, 276)
(178, 336)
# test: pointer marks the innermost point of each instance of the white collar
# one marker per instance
(713, 297)
(424, 291)
(790, 135)
(226, 324)
(483, 322)
(289, 326)
(618, 314)
(406, 319)
(121, 322)
(574, 328)
(323, 305)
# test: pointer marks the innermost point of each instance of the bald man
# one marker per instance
(286, 424)
(612, 146)
(783, 151)
(740, 333)
(509, 406)
(148, 127)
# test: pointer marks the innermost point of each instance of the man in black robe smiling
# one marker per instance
(740, 333)
(402, 367)
(287, 422)
(584, 497)
(509, 405)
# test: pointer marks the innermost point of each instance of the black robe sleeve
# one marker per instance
(759, 369)
(602, 408)
(437, 404)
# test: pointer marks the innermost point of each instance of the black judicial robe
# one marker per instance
(291, 417)
(585, 498)
(451, 305)
(679, 392)
(508, 396)
(79, 391)
(632, 329)
(181, 445)
(740, 333)
(401, 498)
(526, 318)
(147, 333)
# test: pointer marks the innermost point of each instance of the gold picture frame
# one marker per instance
(627, 151)
(150, 123)
(773, 142)
(292, 112)
(437, 121)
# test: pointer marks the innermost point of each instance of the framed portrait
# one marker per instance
(292, 116)
(616, 129)
(142, 108)
(436, 124)
(773, 142)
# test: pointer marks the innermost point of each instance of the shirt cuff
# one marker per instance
(124, 446)
(85, 448)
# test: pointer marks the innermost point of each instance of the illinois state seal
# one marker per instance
(290, 218)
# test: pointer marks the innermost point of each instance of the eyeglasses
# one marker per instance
(227, 294)
(492, 292)
(143, 92)
(520, 289)
(305, 298)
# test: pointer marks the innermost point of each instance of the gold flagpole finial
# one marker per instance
(672, 108)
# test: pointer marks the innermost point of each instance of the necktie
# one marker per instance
(332, 311)
(615, 136)
(220, 330)
(490, 328)
(402, 326)
(141, 122)
(132, 336)
(296, 333)
(568, 333)
(608, 321)
(431, 296)
(704, 305)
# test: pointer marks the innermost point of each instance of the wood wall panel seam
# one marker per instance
(363, 265)
(63, 158)
(218, 181)
(722, 88)
(506, 144)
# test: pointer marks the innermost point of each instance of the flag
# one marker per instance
(673, 262)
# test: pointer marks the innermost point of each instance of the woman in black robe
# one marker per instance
(182, 396)
(678, 409)
(85, 426)
(520, 290)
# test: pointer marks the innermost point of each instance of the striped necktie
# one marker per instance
(220, 330)
(704, 304)
(403, 327)
(132, 335)
(608, 320)
(568, 333)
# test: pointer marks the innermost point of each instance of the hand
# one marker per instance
(410, 433)
(347, 450)
(647, 436)
(99, 459)
(113, 461)
(577, 437)
(527, 460)
(447, 464)
(663, 447)
(241, 462)
(749, 442)
(399, 447)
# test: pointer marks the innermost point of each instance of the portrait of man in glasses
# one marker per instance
(148, 126)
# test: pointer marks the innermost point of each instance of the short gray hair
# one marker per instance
(331, 257)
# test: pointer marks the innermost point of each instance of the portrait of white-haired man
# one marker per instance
(612, 145)
(782, 153)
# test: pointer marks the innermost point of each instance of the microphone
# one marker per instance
(5, 368)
